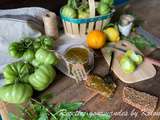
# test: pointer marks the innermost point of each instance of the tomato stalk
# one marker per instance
(83, 11)
(73, 3)
(45, 108)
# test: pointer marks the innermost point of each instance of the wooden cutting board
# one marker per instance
(143, 72)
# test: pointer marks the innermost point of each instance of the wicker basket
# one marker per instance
(84, 26)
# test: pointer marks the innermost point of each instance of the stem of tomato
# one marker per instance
(45, 108)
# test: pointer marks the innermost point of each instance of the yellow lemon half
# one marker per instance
(112, 34)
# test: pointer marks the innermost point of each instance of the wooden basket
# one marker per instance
(84, 26)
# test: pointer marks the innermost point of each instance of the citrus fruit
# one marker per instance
(112, 34)
(96, 39)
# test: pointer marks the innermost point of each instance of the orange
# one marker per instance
(96, 39)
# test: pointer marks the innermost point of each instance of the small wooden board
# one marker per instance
(143, 72)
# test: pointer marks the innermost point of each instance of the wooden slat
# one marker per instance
(105, 22)
(98, 25)
(60, 84)
(74, 93)
(75, 28)
(83, 28)
(64, 26)
(90, 26)
(69, 27)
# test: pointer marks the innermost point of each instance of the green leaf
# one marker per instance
(53, 118)
(20, 108)
(109, 25)
(43, 115)
(69, 106)
(37, 107)
(12, 116)
(65, 116)
(141, 42)
(28, 42)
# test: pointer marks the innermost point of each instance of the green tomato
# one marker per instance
(138, 59)
(103, 9)
(36, 45)
(16, 50)
(28, 56)
(47, 42)
(108, 2)
(36, 63)
(83, 14)
(83, 11)
(28, 42)
(25, 72)
(16, 93)
(127, 65)
(42, 77)
(17, 71)
(68, 11)
(10, 74)
(45, 57)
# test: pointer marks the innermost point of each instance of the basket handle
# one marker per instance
(92, 8)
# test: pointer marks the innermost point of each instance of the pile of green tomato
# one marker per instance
(80, 10)
(130, 61)
(34, 70)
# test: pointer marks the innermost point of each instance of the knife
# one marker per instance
(151, 60)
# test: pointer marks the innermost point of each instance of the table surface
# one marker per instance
(66, 89)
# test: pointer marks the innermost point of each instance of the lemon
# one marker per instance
(112, 34)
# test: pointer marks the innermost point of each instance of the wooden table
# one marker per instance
(65, 88)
